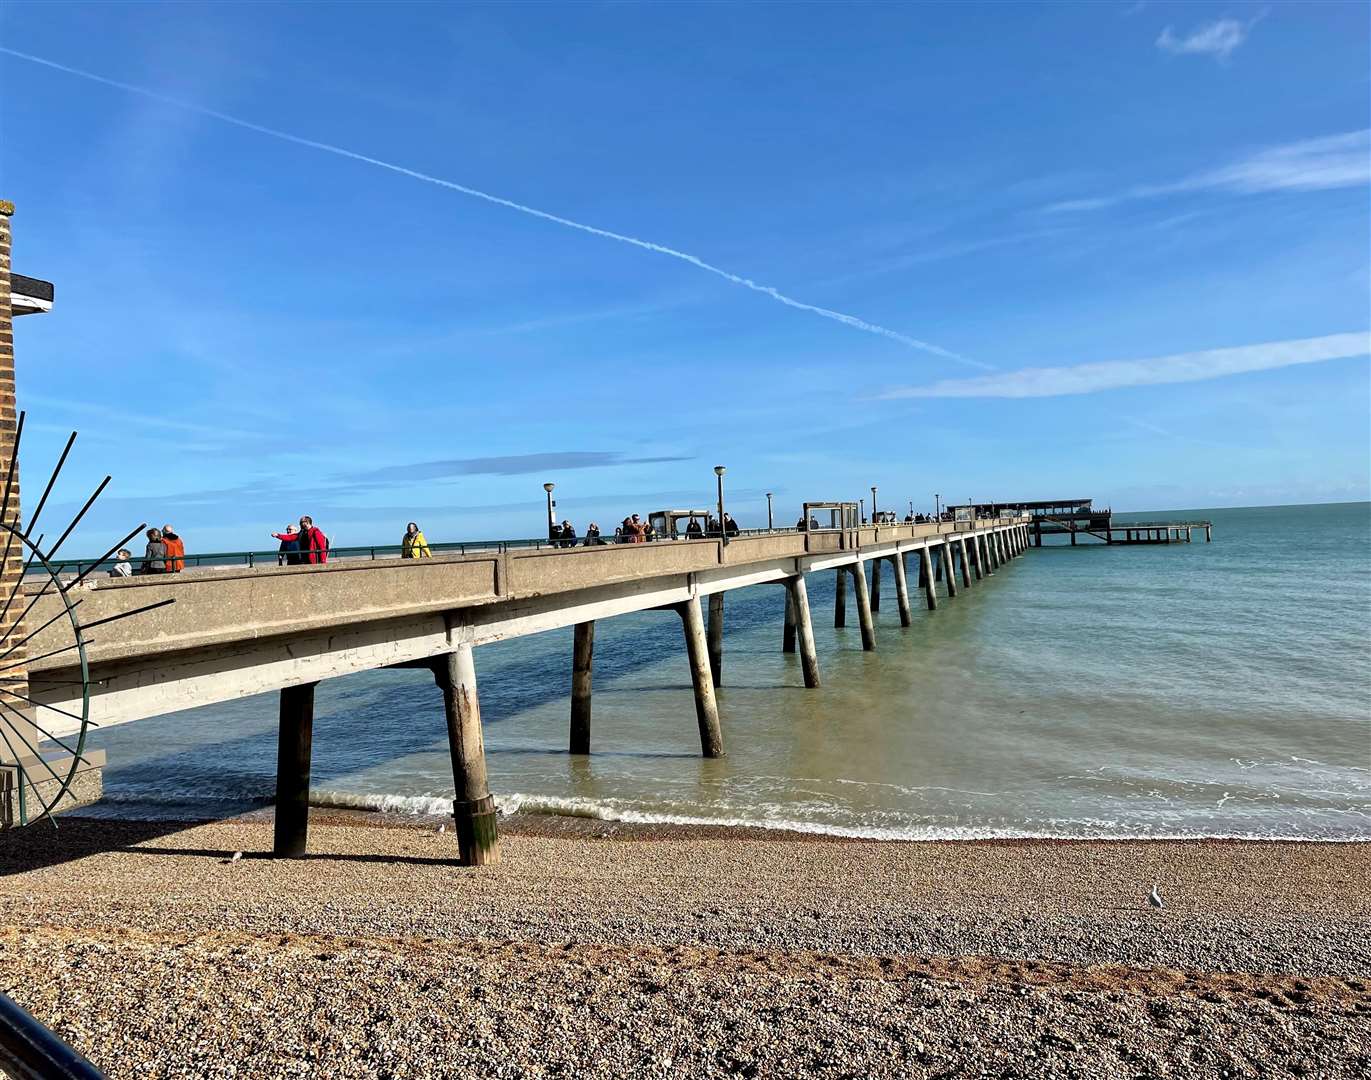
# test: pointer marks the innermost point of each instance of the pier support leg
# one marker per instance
(966, 570)
(1208, 533)
(875, 585)
(716, 638)
(582, 654)
(926, 562)
(293, 746)
(1038, 533)
(706, 708)
(788, 638)
(975, 556)
(473, 810)
(840, 599)
(984, 555)
(809, 655)
(901, 590)
(949, 569)
(864, 618)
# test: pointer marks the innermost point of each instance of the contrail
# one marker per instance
(646, 245)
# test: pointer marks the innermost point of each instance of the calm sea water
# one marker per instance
(1216, 689)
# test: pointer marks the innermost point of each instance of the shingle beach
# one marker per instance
(603, 950)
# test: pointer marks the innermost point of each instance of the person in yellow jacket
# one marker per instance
(413, 545)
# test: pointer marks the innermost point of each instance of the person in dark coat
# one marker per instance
(288, 554)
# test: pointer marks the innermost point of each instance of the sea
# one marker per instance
(1185, 690)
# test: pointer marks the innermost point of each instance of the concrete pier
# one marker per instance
(582, 658)
(864, 617)
(840, 599)
(809, 655)
(926, 575)
(706, 707)
(949, 567)
(875, 585)
(901, 590)
(294, 743)
(473, 808)
(716, 637)
(966, 570)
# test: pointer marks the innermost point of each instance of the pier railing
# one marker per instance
(30, 1051)
(274, 557)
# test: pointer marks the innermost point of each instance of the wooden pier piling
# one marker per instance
(716, 637)
(473, 808)
(864, 618)
(582, 658)
(901, 589)
(697, 650)
(798, 596)
(295, 741)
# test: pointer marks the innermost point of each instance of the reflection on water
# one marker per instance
(1203, 689)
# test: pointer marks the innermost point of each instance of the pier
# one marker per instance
(237, 631)
(1078, 519)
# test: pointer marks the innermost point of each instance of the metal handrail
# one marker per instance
(273, 556)
(30, 1051)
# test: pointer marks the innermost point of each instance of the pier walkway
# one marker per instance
(236, 631)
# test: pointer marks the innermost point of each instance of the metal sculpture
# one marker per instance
(43, 774)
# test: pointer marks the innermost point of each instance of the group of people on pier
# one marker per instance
(634, 530)
(164, 553)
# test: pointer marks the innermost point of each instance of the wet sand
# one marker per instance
(605, 950)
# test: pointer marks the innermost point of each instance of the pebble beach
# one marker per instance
(609, 950)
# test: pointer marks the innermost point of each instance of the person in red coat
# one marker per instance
(313, 542)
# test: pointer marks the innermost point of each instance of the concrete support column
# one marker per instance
(966, 570)
(949, 569)
(1208, 533)
(706, 708)
(926, 574)
(984, 554)
(473, 809)
(901, 590)
(971, 544)
(868, 624)
(876, 584)
(716, 637)
(788, 637)
(840, 599)
(295, 741)
(809, 655)
(582, 655)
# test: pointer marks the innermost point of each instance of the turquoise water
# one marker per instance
(1218, 689)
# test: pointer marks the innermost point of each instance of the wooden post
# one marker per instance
(697, 650)
(716, 637)
(926, 564)
(788, 637)
(473, 809)
(864, 607)
(949, 570)
(582, 653)
(809, 655)
(1208, 536)
(875, 585)
(840, 599)
(1073, 535)
(901, 590)
(295, 740)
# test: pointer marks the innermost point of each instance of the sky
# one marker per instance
(410, 262)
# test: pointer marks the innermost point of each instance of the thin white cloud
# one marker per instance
(1117, 374)
(607, 234)
(1218, 38)
(1318, 164)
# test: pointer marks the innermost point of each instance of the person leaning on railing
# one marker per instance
(155, 554)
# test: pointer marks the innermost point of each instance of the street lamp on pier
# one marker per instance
(862, 503)
(723, 532)
(551, 506)
(769, 523)
(937, 507)
(873, 503)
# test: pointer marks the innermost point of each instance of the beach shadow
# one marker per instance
(226, 857)
(37, 846)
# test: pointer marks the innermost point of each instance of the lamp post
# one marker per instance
(873, 503)
(723, 532)
(769, 523)
(551, 506)
(862, 504)
(937, 507)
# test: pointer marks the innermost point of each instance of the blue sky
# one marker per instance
(1161, 208)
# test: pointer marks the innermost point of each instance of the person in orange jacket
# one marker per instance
(176, 550)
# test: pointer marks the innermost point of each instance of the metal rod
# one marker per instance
(28, 636)
(51, 480)
(77, 519)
